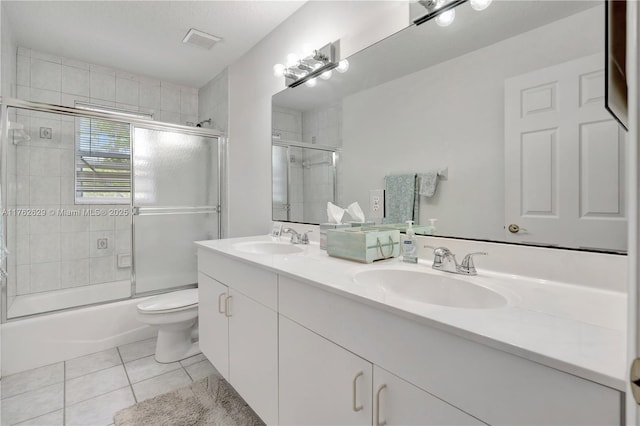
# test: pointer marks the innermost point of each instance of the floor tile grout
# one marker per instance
(64, 394)
(41, 415)
(129, 384)
(186, 371)
(135, 398)
(92, 372)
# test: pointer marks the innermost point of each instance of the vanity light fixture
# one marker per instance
(315, 63)
(444, 10)
(480, 4)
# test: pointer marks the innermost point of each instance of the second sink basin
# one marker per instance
(431, 288)
(267, 247)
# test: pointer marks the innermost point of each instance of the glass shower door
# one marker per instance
(175, 200)
(280, 182)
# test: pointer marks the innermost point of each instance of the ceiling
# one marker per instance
(145, 37)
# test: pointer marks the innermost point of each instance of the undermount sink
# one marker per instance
(267, 247)
(431, 288)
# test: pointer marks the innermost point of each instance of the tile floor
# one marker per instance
(89, 390)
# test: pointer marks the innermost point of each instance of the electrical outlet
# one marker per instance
(376, 203)
(103, 243)
(45, 132)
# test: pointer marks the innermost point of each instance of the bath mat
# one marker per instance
(207, 402)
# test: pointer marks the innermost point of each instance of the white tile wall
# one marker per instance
(42, 77)
(55, 252)
(213, 101)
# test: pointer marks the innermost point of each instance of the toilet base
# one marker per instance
(174, 342)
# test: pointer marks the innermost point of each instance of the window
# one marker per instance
(103, 159)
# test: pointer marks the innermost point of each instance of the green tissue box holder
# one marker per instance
(363, 244)
(402, 227)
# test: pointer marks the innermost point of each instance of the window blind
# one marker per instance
(103, 160)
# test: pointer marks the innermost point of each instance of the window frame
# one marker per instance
(79, 196)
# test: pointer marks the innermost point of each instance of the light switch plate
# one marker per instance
(376, 203)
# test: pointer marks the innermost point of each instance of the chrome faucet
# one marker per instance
(445, 260)
(297, 238)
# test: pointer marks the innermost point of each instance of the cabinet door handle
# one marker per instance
(226, 306)
(378, 422)
(356, 407)
(220, 302)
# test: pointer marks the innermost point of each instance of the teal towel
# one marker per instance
(399, 198)
(428, 182)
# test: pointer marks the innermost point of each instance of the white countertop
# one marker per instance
(576, 329)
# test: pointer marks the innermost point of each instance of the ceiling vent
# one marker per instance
(200, 39)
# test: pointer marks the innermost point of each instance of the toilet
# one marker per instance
(176, 315)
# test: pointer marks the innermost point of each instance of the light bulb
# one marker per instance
(446, 18)
(292, 60)
(480, 4)
(311, 82)
(307, 50)
(343, 66)
(326, 75)
(278, 70)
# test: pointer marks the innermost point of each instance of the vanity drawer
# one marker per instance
(256, 283)
(497, 387)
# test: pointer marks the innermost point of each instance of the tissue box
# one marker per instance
(363, 244)
(367, 223)
(324, 227)
(402, 227)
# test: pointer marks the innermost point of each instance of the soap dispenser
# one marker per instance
(409, 248)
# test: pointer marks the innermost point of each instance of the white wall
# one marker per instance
(251, 85)
(8, 55)
(213, 102)
(452, 115)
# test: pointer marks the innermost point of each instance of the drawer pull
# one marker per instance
(378, 422)
(226, 306)
(220, 302)
(356, 407)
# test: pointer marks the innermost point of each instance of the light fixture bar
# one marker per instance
(433, 11)
(325, 57)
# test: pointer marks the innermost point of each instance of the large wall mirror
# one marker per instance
(510, 101)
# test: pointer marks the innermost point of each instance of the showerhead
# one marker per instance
(208, 121)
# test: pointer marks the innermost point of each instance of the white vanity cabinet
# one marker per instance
(398, 402)
(239, 328)
(493, 386)
(212, 322)
(301, 352)
(320, 382)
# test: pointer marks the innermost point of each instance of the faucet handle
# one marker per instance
(467, 266)
(304, 239)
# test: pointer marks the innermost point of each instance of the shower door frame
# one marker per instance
(7, 102)
(335, 161)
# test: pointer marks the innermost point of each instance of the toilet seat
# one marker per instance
(170, 302)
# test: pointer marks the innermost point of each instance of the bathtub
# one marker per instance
(46, 339)
(55, 300)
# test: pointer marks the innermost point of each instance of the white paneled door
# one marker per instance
(564, 159)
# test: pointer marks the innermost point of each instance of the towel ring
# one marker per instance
(386, 256)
